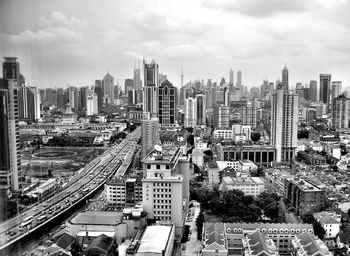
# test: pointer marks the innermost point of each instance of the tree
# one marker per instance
(303, 134)
(199, 224)
(255, 136)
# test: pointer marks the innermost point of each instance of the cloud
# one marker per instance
(260, 8)
(59, 19)
(110, 36)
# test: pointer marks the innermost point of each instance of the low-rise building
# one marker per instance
(198, 157)
(247, 166)
(330, 221)
(213, 172)
(124, 191)
(306, 244)
(214, 239)
(252, 186)
(257, 244)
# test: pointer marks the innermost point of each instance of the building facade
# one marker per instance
(167, 103)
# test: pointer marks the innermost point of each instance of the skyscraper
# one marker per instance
(91, 104)
(167, 111)
(284, 124)
(150, 134)
(239, 83)
(108, 89)
(201, 109)
(336, 89)
(231, 82)
(150, 90)
(138, 84)
(325, 86)
(99, 93)
(313, 93)
(340, 109)
(285, 78)
(9, 132)
(191, 112)
(128, 85)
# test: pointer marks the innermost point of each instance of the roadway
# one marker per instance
(116, 158)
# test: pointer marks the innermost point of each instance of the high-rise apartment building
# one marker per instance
(150, 89)
(167, 104)
(221, 116)
(336, 90)
(165, 186)
(284, 124)
(248, 114)
(191, 112)
(201, 109)
(10, 68)
(108, 89)
(285, 78)
(340, 109)
(325, 87)
(150, 134)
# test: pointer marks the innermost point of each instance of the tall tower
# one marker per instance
(239, 83)
(201, 109)
(167, 104)
(190, 112)
(138, 84)
(150, 90)
(9, 132)
(325, 87)
(313, 93)
(284, 124)
(182, 76)
(231, 78)
(285, 78)
(108, 89)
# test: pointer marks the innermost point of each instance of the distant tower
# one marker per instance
(340, 109)
(150, 90)
(138, 84)
(191, 112)
(231, 78)
(285, 78)
(201, 109)
(313, 96)
(325, 87)
(108, 89)
(239, 83)
(182, 76)
(167, 103)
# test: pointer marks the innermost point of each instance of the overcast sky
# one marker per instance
(65, 42)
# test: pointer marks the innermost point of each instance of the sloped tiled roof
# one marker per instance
(311, 246)
(326, 218)
(64, 240)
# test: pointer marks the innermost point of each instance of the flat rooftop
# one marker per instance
(155, 239)
(168, 154)
(98, 218)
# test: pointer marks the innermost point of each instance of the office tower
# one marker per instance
(201, 109)
(161, 78)
(182, 96)
(336, 89)
(128, 85)
(221, 117)
(132, 97)
(182, 76)
(165, 186)
(82, 97)
(99, 92)
(231, 82)
(150, 134)
(239, 83)
(248, 114)
(167, 104)
(62, 99)
(33, 104)
(209, 98)
(138, 84)
(340, 109)
(91, 104)
(108, 89)
(285, 78)
(313, 92)
(191, 112)
(284, 124)
(22, 101)
(325, 87)
(150, 89)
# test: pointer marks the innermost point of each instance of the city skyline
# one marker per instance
(53, 39)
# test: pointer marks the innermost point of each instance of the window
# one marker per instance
(158, 166)
(148, 166)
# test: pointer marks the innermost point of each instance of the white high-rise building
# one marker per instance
(91, 104)
(191, 112)
(284, 124)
